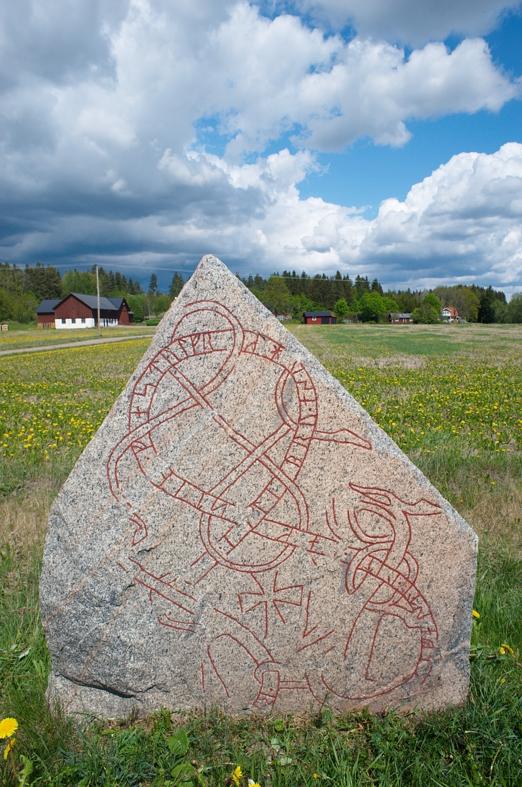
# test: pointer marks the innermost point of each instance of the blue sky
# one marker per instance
(370, 137)
(365, 174)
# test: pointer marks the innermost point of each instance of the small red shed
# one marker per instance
(318, 318)
(45, 313)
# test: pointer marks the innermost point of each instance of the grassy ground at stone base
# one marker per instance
(453, 408)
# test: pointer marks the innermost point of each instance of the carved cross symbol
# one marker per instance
(273, 597)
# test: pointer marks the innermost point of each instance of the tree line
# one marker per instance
(22, 289)
(289, 293)
(365, 300)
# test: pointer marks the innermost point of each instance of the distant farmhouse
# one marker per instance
(318, 318)
(400, 318)
(81, 311)
(450, 314)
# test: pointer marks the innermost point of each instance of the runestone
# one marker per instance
(240, 534)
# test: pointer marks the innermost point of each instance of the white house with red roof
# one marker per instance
(449, 314)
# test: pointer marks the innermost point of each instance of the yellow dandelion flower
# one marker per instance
(252, 783)
(10, 743)
(315, 775)
(8, 727)
(506, 650)
(236, 775)
(475, 614)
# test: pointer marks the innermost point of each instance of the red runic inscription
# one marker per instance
(365, 534)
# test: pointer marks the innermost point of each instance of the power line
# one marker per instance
(130, 273)
(89, 266)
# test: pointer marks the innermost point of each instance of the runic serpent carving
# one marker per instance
(365, 533)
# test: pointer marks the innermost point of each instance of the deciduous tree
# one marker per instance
(341, 309)
(429, 312)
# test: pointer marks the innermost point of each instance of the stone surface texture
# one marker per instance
(239, 533)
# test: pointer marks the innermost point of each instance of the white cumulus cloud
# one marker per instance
(464, 218)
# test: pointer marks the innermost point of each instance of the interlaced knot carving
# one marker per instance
(371, 546)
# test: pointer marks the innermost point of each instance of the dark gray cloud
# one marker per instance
(411, 21)
(57, 40)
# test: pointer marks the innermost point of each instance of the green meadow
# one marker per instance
(451, 397)
(34, 337)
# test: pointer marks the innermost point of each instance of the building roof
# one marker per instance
(400, 315)
(47, 305)
(107, 304)
(318, 314)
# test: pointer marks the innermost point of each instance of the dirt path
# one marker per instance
(65, 345)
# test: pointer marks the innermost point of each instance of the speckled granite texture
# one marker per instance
(239, 533)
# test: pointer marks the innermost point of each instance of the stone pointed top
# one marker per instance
(239, 533)
(209, 262)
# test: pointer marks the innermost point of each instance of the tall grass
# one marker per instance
(478, 744)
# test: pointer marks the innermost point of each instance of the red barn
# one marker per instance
(318, 318)
(77, 310)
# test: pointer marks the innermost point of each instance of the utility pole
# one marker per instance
(98, 299)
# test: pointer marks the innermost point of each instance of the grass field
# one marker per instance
(451, 397)
(33, 337)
